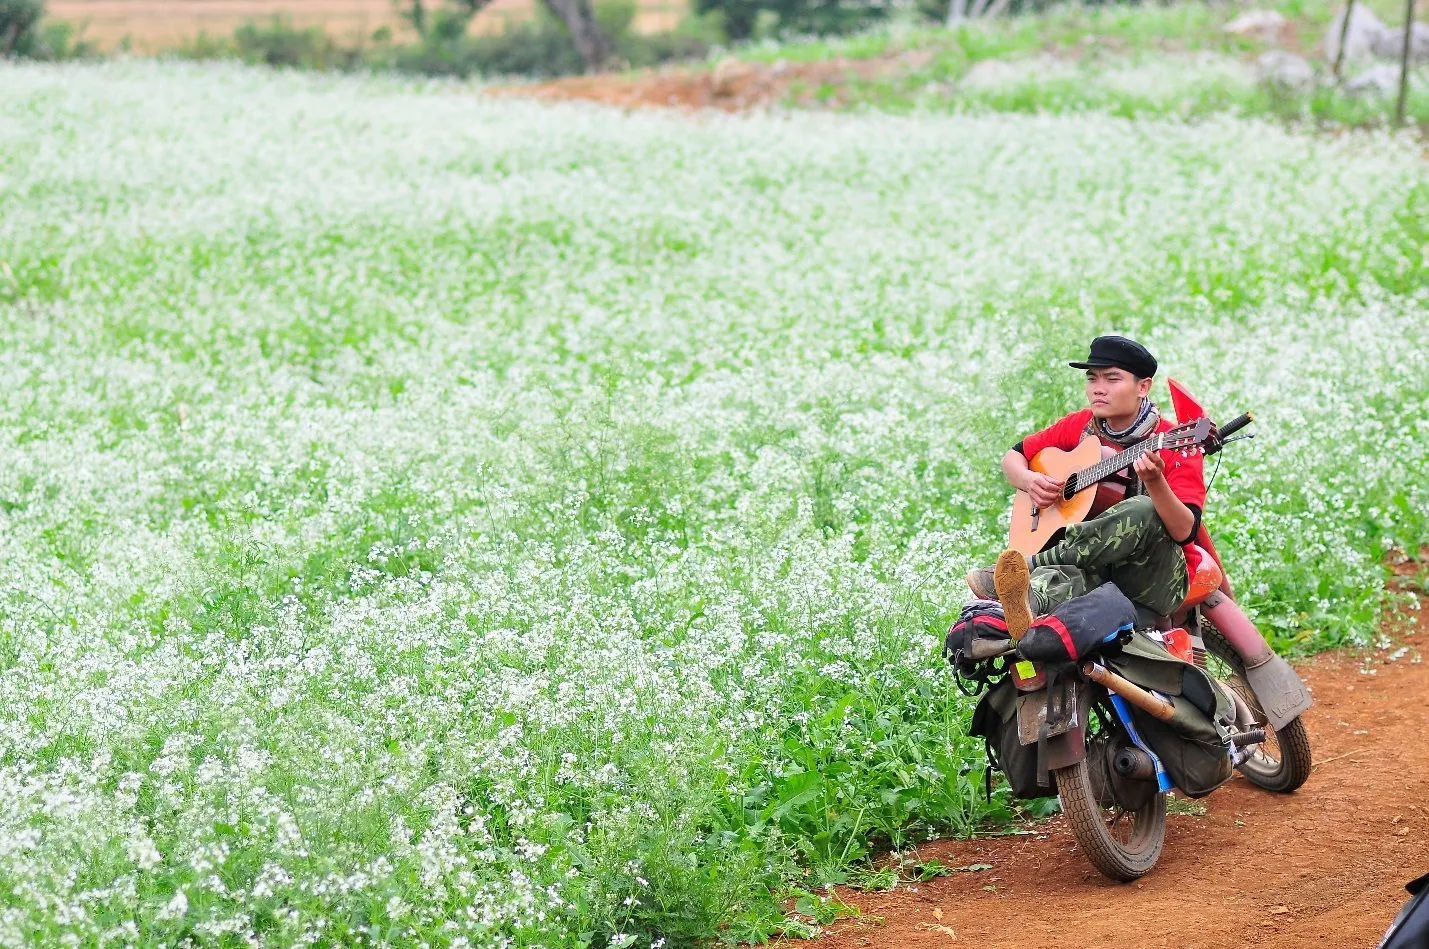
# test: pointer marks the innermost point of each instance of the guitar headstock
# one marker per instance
(1188, 438)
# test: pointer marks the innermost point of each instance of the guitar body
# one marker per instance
(1031, 530)
(1092, 463)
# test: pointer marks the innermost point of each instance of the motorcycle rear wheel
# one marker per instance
(1283, 761)
(1122, 844)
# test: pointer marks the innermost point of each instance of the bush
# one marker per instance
(19, 22)
(819, 17)
(24, 31)
(60, 40)
(541, 46)
(692, 39)
(279, 43)
(639, 51)
(204, 46)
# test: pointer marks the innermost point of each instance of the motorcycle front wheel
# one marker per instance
(1282, 762)
(1123, 844)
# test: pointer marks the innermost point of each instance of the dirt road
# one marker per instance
(732, 86)
(1325, 866)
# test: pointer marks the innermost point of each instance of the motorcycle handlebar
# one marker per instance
(1234, 425)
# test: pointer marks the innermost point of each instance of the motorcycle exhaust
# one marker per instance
(1131, 762)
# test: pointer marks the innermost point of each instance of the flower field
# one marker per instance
(431, 519)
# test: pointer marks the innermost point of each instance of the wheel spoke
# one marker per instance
(1281, 762)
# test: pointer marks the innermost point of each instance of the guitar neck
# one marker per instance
(1109, 466)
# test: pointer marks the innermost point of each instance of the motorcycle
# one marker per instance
(1268, 693)
(1111, 784)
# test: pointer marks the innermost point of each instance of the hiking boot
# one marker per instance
(1011, 579)
(980, 582)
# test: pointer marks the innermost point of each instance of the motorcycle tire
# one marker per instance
(1122, 844)
(1282, 762)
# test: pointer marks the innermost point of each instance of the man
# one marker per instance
(1145, 543)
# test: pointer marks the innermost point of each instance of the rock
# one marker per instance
(1004, 73)
(727, 74)
(1366, 31)
(1381, 80)
(1285, 72)
(1266, 25)
(1390, 43)
(990, 73)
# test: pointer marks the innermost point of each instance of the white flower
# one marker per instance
(176, 907)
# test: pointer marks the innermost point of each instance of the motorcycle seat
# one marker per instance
(1206, 581)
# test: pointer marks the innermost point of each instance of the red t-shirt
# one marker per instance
(1185, 475)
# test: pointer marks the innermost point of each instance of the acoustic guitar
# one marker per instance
(1085, 468)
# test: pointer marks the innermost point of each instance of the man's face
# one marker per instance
(1115, 393)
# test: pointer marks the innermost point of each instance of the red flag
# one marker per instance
(1188, 410)
(1186, 406)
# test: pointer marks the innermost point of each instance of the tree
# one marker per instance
(820, 17)
(18, 20)
(960, 10)
(577, 16)
(590, 40)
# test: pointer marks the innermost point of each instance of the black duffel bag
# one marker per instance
(979, 619)
(1076, 627)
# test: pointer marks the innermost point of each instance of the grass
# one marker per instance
(431, 518)
(1126, 60)
(1073, 29)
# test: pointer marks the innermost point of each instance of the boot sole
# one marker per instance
(1012, 579)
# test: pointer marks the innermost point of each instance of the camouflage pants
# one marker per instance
(1127, 545)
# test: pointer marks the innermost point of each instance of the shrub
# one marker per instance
(19, 22)
(59, 39)
(693, 39)
(25, 32)
(820, 17)
(541, 46)
(279, 43)
(536, 48)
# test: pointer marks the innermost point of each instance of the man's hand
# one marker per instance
(1043, 490)
(1150, 469)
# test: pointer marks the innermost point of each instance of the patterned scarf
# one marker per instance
(1147, 418)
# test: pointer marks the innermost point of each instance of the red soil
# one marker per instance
(732, 86)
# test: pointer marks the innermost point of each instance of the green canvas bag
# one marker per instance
(1194, 746)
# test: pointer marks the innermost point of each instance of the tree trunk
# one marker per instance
(1344, 33)
(1404, 63)
(12, 36)
(416, 14)
(579, 17)
(957, 12)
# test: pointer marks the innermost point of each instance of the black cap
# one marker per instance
(1120, 352)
